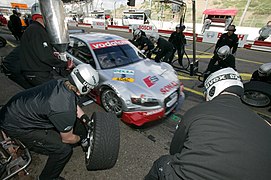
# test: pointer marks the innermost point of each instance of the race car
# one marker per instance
(135, 88)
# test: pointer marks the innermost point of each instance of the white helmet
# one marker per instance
(265, 69)
(137, 32)
(224, 52)
(154, 37)
(226, 79)
(35, 11)
(84, 77)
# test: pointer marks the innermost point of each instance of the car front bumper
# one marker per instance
(139, 118)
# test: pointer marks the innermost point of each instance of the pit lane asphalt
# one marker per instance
(139, 147)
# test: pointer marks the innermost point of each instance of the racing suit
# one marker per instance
(231, 41)
(36, 117)
(164, 50)
(38, 63)
(12, 67)
(219, 139)
(178, 40)
(145, 44)
(217, 63)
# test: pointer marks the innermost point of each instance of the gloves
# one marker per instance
(84, 119)
(70, 64)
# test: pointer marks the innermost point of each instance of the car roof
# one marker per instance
(96, 37)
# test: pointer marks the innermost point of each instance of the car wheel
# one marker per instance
(104, 142)
(256, 94)
(111, 102)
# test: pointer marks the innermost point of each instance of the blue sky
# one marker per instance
(106, 4)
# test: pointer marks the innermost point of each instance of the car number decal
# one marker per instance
(105, 44)
(125, 79)
(150, 80)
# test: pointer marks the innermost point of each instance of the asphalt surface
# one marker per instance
(139, 147)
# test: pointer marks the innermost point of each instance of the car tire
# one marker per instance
(257, 94)
(104, 142)
(111, 102)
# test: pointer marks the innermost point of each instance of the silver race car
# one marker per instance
(133, 87)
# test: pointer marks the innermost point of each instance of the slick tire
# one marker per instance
(257, 94)
(104, 146)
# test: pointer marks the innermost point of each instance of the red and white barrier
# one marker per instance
(255, 45)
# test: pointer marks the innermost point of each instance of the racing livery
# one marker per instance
(132, 86)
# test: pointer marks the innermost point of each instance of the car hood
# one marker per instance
(144, 77)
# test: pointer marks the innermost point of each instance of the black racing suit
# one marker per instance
(178, 40)
(38, 62)
(225, 39)
(12, 67)
(16, 26)
(145, 44)
(36, 116)
(217, 63)
(164, 50)
(220, 139)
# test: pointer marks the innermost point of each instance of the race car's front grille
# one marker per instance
(171, 100)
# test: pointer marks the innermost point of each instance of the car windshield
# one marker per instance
(111, 55)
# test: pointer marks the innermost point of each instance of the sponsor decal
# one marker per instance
(150, 80)
(169, 87)
(124, 79)
(221, 78)
(123, 71)
(106, 44)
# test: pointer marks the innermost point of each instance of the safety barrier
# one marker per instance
(255, 45)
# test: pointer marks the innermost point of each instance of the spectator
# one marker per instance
(178, 40)
(230, 39)
(218, 139)
(265, 31)
(15, 25)
(163, 49)
(3, 20)
(22, 21)
(38, 63)
(222, 59)
(44, 118)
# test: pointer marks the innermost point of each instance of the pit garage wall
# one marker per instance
(243, 42)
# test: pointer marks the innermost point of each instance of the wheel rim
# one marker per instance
(255, 98)
(90, 137)
(111, 102)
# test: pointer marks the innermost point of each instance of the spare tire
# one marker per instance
(104, 138)
(257, 94)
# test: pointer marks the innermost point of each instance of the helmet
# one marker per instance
(265, 69)
(137, 32)
(231, 28)
(84, 77)
(154, 36)
(35, 11)
(180, 26)
(224, 52)
(227, 80)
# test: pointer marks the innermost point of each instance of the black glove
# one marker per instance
(84, 119)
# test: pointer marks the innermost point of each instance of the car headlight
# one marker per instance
(144, 100)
